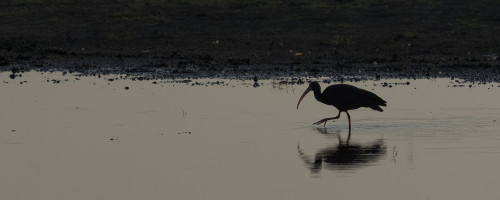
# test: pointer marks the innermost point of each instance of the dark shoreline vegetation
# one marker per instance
(343, 39)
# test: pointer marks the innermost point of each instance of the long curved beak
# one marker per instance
(303, 95)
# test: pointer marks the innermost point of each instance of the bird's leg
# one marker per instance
(326, 119)
(324, 131)
(349, 136)
(349, 117)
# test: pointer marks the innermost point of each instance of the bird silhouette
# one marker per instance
(344, 97)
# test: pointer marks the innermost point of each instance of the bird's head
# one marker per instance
(313, 86)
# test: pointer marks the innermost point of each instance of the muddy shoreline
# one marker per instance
(226, 39)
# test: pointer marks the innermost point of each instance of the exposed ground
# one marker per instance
(220, 38)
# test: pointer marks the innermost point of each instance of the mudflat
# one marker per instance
(184, 38)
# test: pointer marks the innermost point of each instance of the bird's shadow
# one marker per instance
(345, 155)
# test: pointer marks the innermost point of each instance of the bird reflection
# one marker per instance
(345, 155)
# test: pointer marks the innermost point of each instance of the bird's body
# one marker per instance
(344, 97)
(347, 97)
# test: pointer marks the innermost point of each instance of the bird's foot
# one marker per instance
(321, 121)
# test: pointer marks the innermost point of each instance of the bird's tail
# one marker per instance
(376, 107)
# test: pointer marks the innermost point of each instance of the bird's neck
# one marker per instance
(318, 96)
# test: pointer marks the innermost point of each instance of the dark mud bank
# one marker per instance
(267, 39)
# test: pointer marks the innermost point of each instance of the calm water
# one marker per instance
(93, 139)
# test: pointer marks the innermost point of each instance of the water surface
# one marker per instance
(92, 138)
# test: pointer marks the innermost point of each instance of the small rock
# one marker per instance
(14, 70)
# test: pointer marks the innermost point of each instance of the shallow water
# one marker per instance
(93, 139)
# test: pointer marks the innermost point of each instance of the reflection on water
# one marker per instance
(346, 155)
